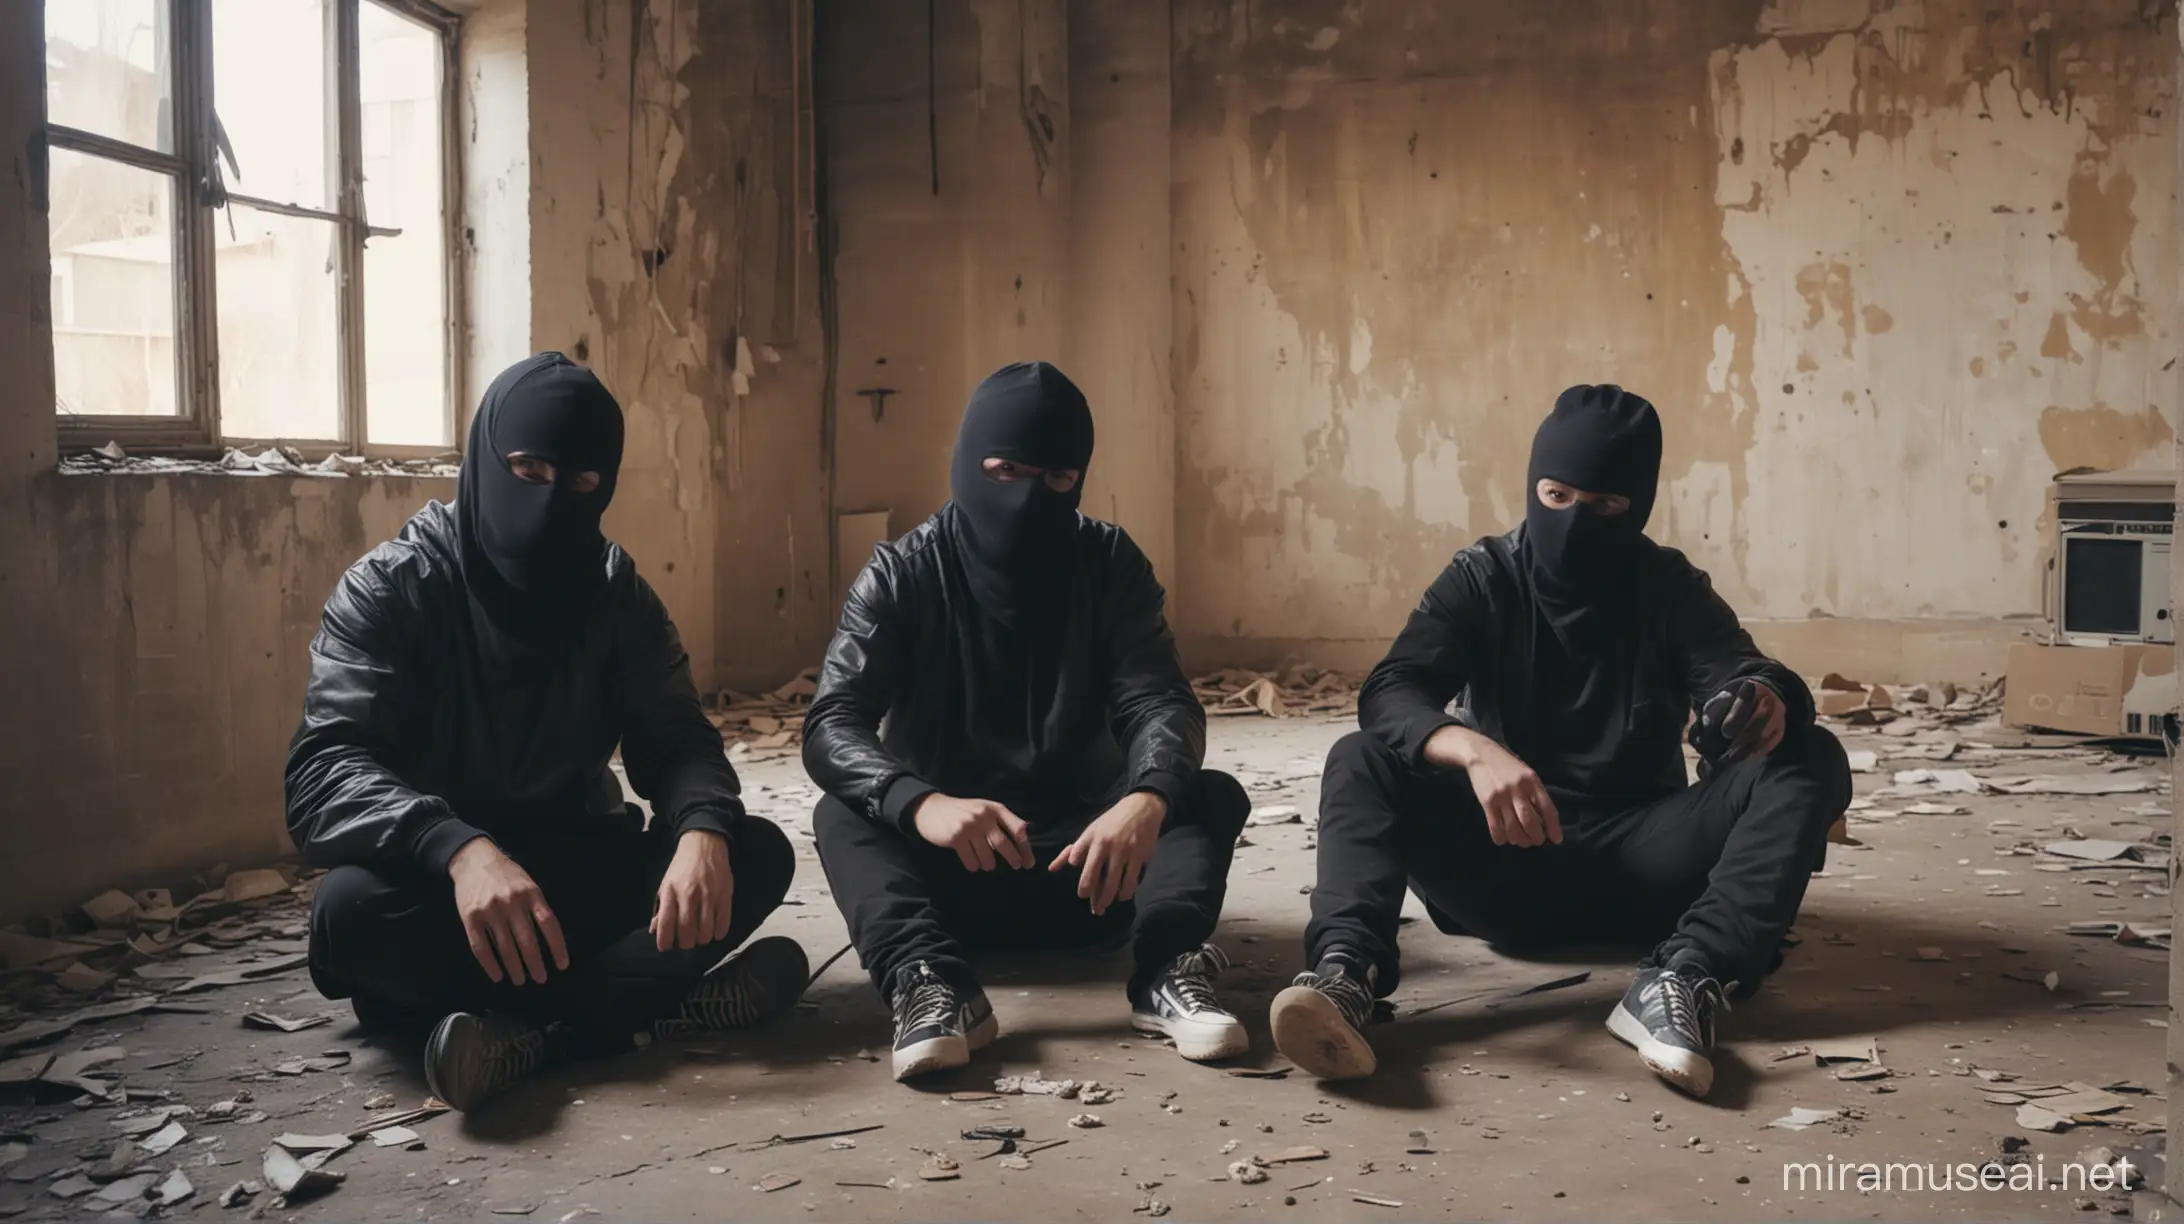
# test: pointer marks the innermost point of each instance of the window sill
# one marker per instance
(112, 460)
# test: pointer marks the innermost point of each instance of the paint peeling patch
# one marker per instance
(1826, 287)
(2056, 344)
(1877, 320)
(2104, 437)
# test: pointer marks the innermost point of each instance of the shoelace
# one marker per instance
(1351, 996)
(1691, 1006)
(1192, 978)
(517, 1052)
(930, 1002)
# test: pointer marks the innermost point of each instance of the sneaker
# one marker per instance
(758, 983)
(1179, 1004)
(1667, 1015)
(936, 1028)
(1319, 1022)
(471, 1057)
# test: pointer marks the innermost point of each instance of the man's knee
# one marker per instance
(763, 859)
(352, 899)
(833, 825)
(1218, 802)
(1815, 755)
(1361, 758)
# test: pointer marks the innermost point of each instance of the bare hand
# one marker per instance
(980, 831)
(1764, 729)
(1519, 812)
(692, 908)
(500, 906)
(1113, 850)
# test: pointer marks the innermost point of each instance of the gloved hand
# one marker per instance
(1734, 722)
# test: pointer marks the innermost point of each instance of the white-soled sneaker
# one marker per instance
(1180, 1004)
(1667, 1015)
(936, 1027)
(1319, 1021)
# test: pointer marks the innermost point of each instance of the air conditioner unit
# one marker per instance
(2110, 582)
(2110, 669)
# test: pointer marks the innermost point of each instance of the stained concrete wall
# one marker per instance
(667, 163)
(1001, 199)
(1885, 267)
(153, 628)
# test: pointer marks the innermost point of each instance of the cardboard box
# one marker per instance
(2091, 690)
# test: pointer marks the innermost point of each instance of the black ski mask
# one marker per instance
(1603, 440)
(1015, 536)
(533, 553)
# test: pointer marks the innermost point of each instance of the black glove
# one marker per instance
(1722, 720)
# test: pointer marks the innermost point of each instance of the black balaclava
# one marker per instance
(1603, 440)
(1016, 537)
(533, 553)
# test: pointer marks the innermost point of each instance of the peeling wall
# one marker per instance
(1885, 267)
(663, 164)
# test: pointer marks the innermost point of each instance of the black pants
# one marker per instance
(393, 941)
(1720, 867)
(907, 900)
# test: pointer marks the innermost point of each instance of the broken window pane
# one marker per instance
(107, 69)
(112, 232)
(280, 365)
(405, 276)
(271, 86)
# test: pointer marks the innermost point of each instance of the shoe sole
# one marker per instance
(461, 1097)
(945, 1053)
(1197, 1040)
(1684, 1069)
(1311, 1032)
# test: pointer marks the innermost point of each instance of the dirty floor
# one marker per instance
(1931, 937)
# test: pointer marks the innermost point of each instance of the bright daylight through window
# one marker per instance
(249, 222)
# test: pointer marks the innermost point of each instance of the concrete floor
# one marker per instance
(1522, 1100)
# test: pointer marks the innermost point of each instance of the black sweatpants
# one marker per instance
(1719, 867)
(393, 941)
(907, 900)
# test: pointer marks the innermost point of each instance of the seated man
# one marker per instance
(1038, 780)
(1553, 807)
(468, 687)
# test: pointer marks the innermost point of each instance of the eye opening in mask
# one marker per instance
(1009, 471)
(533, 470)
(1556, 495)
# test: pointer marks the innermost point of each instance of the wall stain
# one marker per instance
(2104, 437)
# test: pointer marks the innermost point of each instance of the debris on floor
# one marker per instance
(1299, 688)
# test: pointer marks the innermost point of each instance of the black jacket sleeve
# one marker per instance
(857, 685)
(1155, 715)
(1713, 650)
(346, 805)
(1405, 699)
(671, 750)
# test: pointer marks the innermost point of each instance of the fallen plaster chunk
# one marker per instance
(1802, 1117)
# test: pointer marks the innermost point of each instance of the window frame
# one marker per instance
(199, 195)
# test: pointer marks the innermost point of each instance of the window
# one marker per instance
(250, 206)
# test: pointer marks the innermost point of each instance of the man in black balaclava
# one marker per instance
(469, 685)
(1010, 749)
(1551, 805)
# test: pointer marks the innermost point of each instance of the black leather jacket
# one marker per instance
(1470, 641)
(1122, 717)
(424, 728)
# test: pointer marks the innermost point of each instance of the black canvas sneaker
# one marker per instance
(1319, 1021)
(755, 985)
(1667, 1015)
(1180, 1005)
(936, 1027)
(471, 1057)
